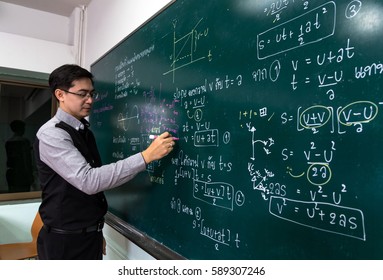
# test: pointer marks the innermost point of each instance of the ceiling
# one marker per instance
(59, 7)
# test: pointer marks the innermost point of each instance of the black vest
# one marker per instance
(64, 206)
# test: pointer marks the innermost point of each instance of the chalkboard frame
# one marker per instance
(148, 244)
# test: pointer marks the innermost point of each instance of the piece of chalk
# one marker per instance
(155, 136)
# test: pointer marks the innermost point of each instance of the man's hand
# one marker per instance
(160, 147)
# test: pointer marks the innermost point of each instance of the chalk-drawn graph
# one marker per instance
(185, 48)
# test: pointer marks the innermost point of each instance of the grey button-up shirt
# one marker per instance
(59, 153)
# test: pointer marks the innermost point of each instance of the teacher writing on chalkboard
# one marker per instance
(71, 175)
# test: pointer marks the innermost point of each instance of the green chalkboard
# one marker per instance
(277, 105)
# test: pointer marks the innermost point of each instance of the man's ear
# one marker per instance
(59, 94)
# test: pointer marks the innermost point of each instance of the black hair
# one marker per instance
(64, 76)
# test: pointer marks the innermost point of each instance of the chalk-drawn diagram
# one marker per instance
(266, 144)
(124, 119)
(185, 48)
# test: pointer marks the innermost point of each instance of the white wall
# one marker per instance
(34, 40)
(32, 54)
(39, 41)
(107, 25)
(32, 23)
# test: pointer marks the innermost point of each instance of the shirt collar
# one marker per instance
(61, 115)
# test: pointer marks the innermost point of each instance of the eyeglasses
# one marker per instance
(84, 94)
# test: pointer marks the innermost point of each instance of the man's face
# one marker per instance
(71, 100)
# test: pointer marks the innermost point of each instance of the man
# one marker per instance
(71, 175)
